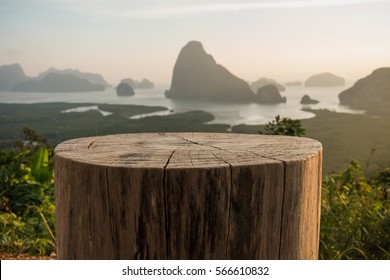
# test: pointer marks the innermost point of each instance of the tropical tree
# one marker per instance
(283, 126)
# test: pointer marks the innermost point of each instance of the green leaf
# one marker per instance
(40, 165)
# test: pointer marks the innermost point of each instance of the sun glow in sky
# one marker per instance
(282, 39)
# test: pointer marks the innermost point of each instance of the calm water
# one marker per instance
(232, 114)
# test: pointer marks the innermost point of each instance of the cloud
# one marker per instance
(218, 6)
(159, 9)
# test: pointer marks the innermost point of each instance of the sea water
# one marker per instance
(227, 113)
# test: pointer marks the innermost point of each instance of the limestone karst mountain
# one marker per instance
(269, 94)
(196, 75)
(13, 78)
(371, 93)
(11, 75)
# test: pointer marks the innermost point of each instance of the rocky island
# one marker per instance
(269, 94)
(124, 89)
(306, 99)
(324, 80)
(371, 93)
(196, 75)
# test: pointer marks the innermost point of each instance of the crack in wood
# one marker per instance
(223, 150)
(283, 197)
(283, 208)
(169, 159)
(229, 211)
(275, 159)
(218, 148)
(90, 144)
(204, 145)
(166, 216)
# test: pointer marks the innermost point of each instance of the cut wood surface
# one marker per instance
(188, 196)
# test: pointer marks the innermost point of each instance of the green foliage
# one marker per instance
(27, 199)
(40, 166)
(284, 126)
(355, 218)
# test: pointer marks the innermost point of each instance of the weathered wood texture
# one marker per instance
(188, 196)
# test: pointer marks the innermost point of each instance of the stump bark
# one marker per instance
(188, 196)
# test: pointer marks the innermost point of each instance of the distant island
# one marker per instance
(124, 89)
(324, 80)
(196, 75)
(94, 78)
(55, 82)
(11, 75)
(144, 84)
(371, 93)
(269, 94)
(306, 99)
(266, 81)
(13, 78)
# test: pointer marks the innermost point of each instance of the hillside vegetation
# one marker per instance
(48, 121)
(345, 137)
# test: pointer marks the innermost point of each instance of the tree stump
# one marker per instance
(188, 196)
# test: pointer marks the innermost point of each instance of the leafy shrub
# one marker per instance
(27, 200)
(355, 218)
(284, 126)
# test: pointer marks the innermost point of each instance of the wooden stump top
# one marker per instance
(186, 150)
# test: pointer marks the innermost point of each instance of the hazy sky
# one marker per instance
(282, 39)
